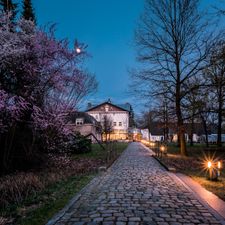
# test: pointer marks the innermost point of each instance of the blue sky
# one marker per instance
(107, 27)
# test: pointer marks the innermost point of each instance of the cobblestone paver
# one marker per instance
(137, 190)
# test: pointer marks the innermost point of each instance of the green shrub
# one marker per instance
(80, 144)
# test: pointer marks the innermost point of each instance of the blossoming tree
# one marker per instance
(41, 78)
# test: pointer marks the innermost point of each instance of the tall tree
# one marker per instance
(28, 11)
(215, 73)
(172, 44)
(41, 79)
(9, 8)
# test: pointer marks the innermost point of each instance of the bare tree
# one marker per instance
(146, 120)
(215, 74)
(107, 127)
(172, 46)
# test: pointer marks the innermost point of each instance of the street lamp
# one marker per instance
(78, 50)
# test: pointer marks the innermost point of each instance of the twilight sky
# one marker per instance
(107, 26)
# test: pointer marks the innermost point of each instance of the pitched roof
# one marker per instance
(88, 119)
(125, 107)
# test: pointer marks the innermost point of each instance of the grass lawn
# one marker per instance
(40, 206)
(51, 200)
(194, 165)
(99, 153)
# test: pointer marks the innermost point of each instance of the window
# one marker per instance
(114, 124)
(120, 124)
(79, 121)
(106, 108)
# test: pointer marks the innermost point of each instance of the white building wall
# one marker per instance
(115, 116)
(145, 134)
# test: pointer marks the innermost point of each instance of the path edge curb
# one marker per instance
(220, 217)
(217, 215)
(77, 196)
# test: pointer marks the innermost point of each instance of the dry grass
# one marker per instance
(195, 166)
(36, 195)
(18, 187)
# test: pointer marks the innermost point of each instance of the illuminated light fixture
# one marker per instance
(163, 149)
(219, 165)
(209, 164)
(78, 50)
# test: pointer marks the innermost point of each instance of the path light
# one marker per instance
(210, 170)
(209, 164)
(163, 149)
(213, 169)
(219, 166)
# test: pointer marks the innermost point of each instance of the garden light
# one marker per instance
(162, 148)
(219, 165)
(213, 169)
(209, 164)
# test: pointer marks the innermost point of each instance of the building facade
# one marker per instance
(85, 124)
(114, 119)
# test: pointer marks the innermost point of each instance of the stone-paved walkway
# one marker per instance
(137, 190)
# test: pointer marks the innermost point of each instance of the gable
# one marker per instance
(106, 107)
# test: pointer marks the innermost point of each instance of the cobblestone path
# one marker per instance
(137, 190)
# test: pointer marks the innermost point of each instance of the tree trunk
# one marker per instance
(219, 128)
(192, 131)
(181, 133)
(180, 123)
(149, 134)
(205, 130)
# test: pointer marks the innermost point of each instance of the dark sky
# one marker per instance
(107, 26)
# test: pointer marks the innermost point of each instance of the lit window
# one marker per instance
(120, 124)
(114, 124)
(79, 121)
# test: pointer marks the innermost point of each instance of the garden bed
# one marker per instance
(34, 197)
(194, 165)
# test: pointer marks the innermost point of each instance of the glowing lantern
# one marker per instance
(219, 165)
(209, 164)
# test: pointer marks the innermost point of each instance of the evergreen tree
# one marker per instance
(28, 11)
(8, 6)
